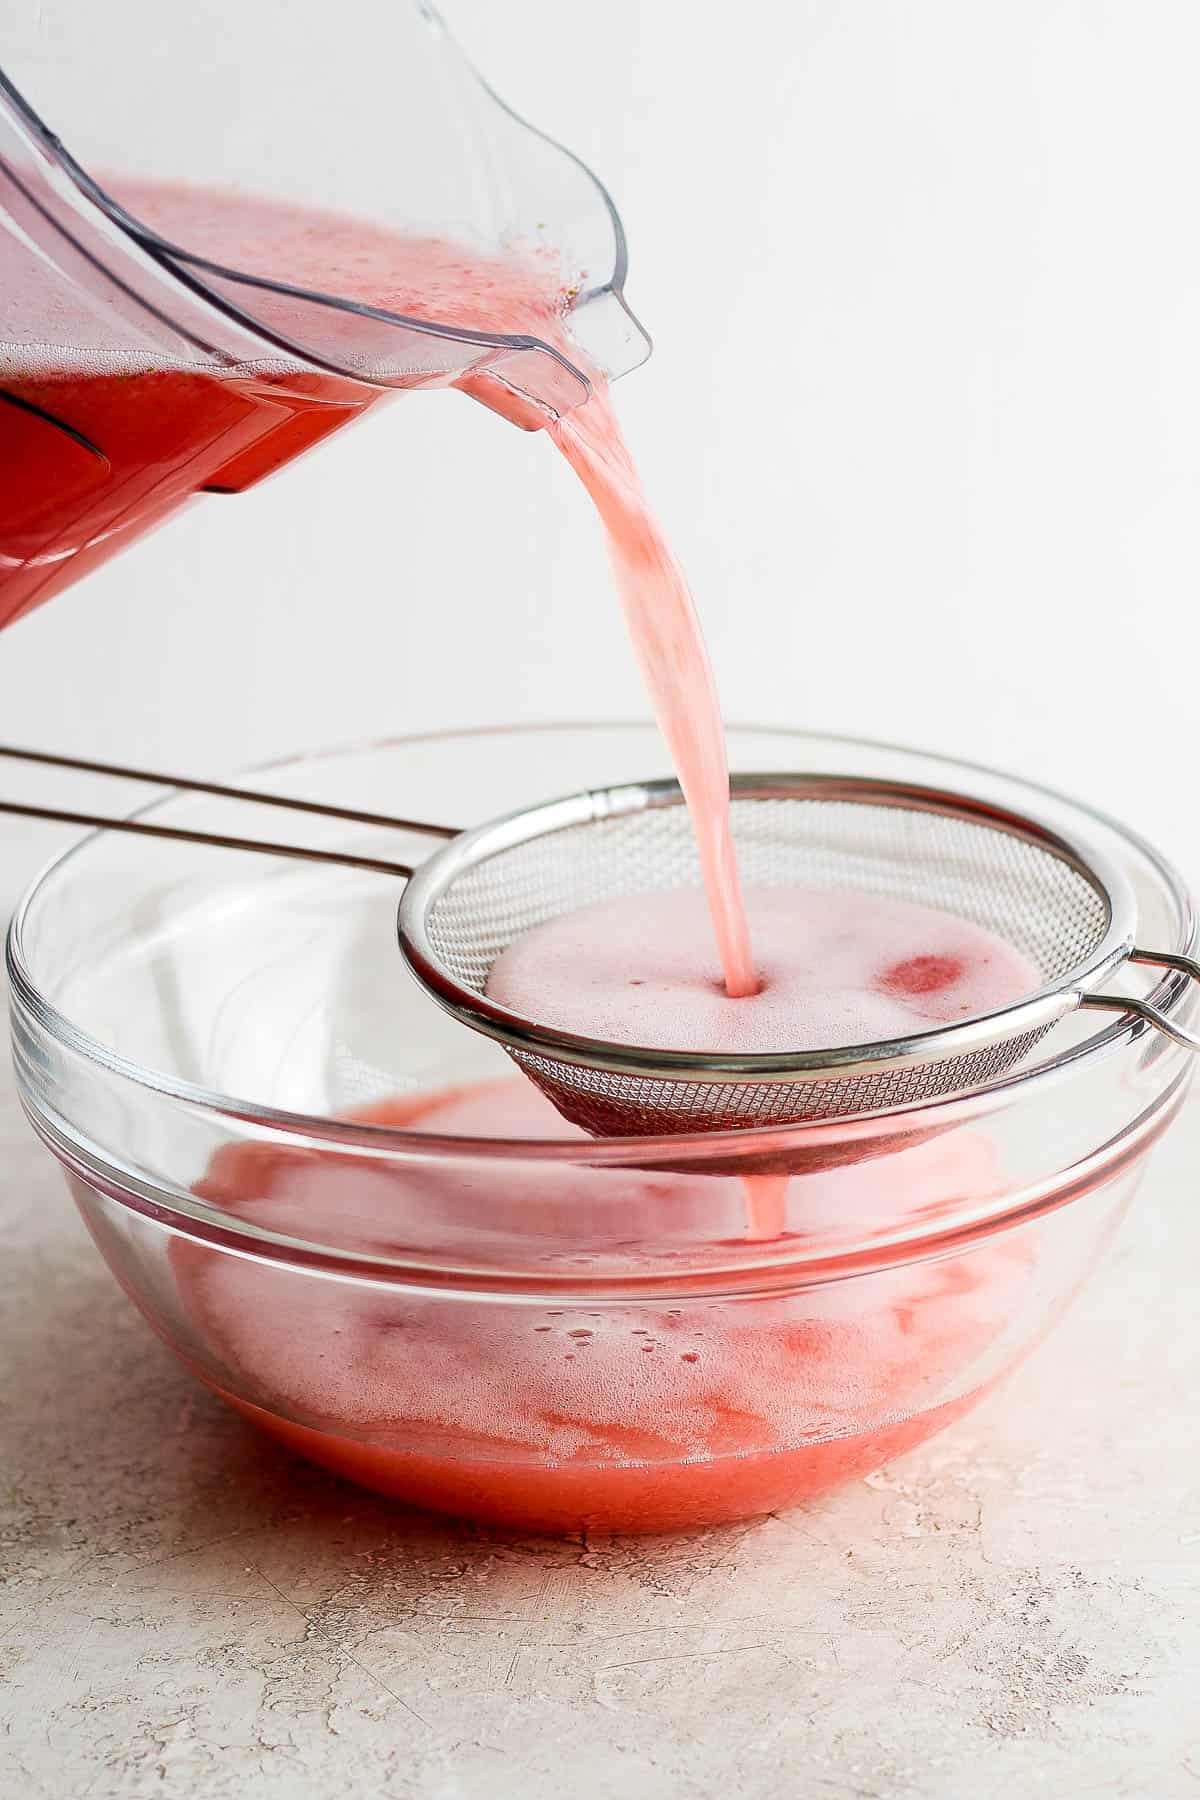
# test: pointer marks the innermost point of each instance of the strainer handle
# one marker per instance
(1141, 1009)
(218, 841)
(247, 796)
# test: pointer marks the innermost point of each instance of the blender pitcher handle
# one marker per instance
(1141, 1009)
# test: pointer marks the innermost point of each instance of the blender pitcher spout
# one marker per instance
(388, 131)
(227, 234)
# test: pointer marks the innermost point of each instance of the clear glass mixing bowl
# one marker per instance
(356, 1223)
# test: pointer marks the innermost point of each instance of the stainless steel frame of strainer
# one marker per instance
(1026, 1019)
(1020, 1024)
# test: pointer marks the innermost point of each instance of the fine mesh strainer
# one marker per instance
(1061, 903)
(1057, 900)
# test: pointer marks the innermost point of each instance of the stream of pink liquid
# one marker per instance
(674, 661)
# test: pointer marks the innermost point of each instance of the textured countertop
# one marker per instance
(1013, 1610)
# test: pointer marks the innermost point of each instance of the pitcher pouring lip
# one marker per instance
(486, 179)
(150, 352)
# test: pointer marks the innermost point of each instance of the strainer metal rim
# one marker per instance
(516, 1032)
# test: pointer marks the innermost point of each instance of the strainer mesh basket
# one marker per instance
(1035, 896)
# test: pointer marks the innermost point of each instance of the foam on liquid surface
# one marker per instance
(554, 1412)
(835, 969)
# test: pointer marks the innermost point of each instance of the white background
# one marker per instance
(923, 416)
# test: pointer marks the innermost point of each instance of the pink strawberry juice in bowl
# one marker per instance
(349, 1219)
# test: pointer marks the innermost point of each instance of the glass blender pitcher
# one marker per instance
(207, 272)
